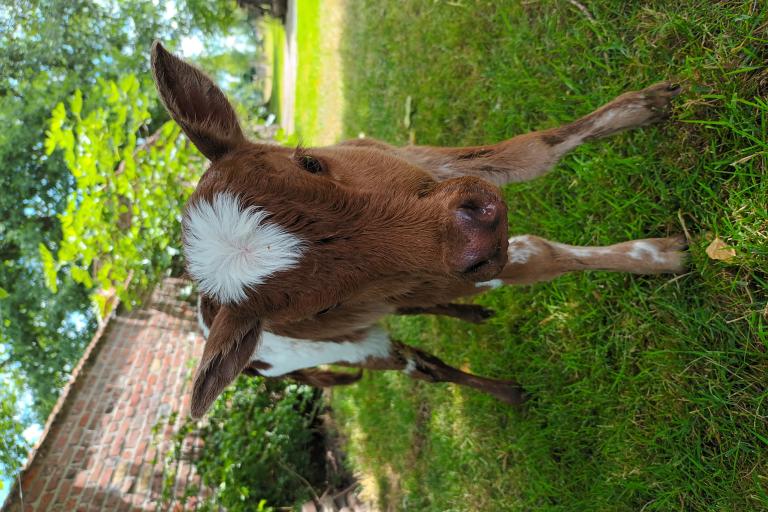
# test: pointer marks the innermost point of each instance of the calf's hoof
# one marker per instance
(646, 106)
(510, 393)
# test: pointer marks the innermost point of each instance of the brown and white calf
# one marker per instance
(299, 252)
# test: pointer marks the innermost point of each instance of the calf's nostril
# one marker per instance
(487, 212)
(476, 266)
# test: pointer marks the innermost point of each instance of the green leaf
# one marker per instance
(51, 141)
(49, 268)
(58, 115)
(3, 293)
(101, 304)
(81, 276)
(103, 275)
(77, 102)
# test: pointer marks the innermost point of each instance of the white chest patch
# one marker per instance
(286, 355)
(230, 248)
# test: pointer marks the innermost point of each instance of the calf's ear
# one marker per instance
(231, 342)
(196, 104)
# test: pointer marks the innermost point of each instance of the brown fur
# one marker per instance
(389, 229)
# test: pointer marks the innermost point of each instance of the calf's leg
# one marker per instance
(529, 156)
(467, 312)
(423, 366)
(533, 259)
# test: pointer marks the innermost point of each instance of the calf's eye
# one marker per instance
(310, 164)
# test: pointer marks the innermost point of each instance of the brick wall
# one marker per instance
(98, 450)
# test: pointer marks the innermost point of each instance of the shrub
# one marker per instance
(258, 446)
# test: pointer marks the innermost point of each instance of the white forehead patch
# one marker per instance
(229, 248)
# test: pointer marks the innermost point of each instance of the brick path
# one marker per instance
(98, 451)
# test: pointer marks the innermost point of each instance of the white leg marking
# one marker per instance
(286, 355)
(521, 248)
(644, 251)
(582, 252)
(230, 248)
(410, 366)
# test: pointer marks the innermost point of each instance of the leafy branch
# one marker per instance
(123, 217)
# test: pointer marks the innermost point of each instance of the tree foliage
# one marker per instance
(96, 199)
(259, 447)
(122, 219)
(12, 446)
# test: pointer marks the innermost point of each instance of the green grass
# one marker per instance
(309, 70)
(650, 392)
(318, 81)
(274, 49)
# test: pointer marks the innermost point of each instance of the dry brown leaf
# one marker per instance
(718, 250)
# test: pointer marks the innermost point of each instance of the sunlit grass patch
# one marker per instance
(649, 391)
(274, 49)
(318, 84)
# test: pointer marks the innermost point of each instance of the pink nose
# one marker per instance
(482, 224)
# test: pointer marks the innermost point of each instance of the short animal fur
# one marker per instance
(299, 252)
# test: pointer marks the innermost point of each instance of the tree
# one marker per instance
(122, 220)
(51, 52)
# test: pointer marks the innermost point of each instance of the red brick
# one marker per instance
(106, 475)
(35, 488)
(45, 501)
(77, 435)
(79, 455)
(64, 488)
(113, 501)
(142, 448)
(54, 480)
(116, 447)
(98, 500)
(132, 438)
(61, 440)
(66, 456)
(87, 495)
(29, 476)
(81, 479)
(78, 406)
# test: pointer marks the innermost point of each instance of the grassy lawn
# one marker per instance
(318, 81)
(274, 48)
(650, 392)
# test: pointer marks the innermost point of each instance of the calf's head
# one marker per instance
(278, 234)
